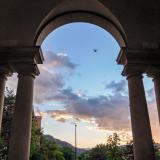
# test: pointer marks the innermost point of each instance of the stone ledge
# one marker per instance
(31, 55)
(139, 56)
(20, 60)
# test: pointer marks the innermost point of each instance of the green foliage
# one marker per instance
(113, 150)
(85, 156)
(127, 151)
(8, 108)
(50, 151)
(157, 154)
(9, 100)
(3, 150)
(42, 149)
(35, 138)
(36, 156)
(99, 152)
(68, 153)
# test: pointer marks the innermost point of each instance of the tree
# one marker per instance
(157, 153)
(9, 100)
(8, 109)
(127, 151)
(113, 150)
(50, 150)
(85, 156)
(3, 150)
(44, 149)
(99, 152)
(36, 134)
(41, 149)
(68, 153)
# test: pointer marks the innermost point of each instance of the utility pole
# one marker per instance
(75, 141)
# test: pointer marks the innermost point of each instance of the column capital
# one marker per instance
(22, 60)
(132, 70)
(139, 60)
(5, 71)
(25, 74)
(3, 76)
(153, 72)
(138, 56)
(27, 69)
(22, 54)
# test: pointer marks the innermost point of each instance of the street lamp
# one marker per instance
(75, 141)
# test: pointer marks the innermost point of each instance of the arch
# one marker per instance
(94, 13)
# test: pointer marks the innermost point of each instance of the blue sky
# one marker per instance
(93, 69)
(78, 84)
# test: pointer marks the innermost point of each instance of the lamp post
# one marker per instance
(75, 141)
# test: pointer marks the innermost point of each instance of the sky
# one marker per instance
(80, 85)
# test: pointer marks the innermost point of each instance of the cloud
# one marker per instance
(109, 112)
(38, 112)
(150, 94)
(117, 86)
(60, 115)
(49, 83)
(12, 82)
(58, 60)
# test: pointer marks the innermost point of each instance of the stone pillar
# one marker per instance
(156, 80)
(19, 147)
(2, 88)
(142, 137)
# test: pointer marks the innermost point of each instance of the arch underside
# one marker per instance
(80, 16)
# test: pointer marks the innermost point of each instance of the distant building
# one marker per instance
(38, 120)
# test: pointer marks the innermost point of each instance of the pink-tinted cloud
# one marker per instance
(58, 60)
(48, 83)
(110, 112)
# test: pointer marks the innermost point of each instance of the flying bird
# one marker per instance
(95, 50)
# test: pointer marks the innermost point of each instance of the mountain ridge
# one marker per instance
(64, 143)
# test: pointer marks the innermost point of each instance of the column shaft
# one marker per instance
(2, 88)
(157, 93)
(142, 137)
(19, 147)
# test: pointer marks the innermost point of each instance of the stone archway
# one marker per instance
(81, 16)
(143, 145)
(22, 34)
